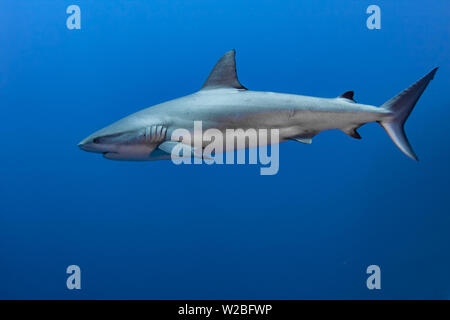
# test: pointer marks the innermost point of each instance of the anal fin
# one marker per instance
(352, 132)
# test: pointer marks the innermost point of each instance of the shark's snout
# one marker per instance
(85, 141)
(89, 144)
(82, 144)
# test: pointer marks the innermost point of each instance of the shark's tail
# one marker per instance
(401, 106)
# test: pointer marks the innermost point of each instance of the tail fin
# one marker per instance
(401, 106)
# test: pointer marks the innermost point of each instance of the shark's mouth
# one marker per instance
(108, 154)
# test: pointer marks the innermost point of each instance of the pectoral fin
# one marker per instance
(169, 146)
(178, 149)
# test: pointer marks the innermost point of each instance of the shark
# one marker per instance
(224, 103)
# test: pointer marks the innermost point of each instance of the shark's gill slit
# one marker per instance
(156, 133)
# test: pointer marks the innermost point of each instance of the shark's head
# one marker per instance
(127, 139)
(142, 135)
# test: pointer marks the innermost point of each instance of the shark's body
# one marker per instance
(223, 103)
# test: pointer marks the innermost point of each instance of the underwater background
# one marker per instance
(154, 230)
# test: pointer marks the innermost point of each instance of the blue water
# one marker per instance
(153, 230)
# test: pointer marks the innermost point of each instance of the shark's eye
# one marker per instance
(96, 140)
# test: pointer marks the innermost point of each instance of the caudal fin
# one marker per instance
(401, 106)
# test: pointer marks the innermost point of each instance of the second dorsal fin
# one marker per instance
(223, 75)
(348, 95)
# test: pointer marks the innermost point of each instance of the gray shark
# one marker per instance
(224, 103)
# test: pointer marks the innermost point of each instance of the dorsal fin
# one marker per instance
(223, 75)
(347, 95)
